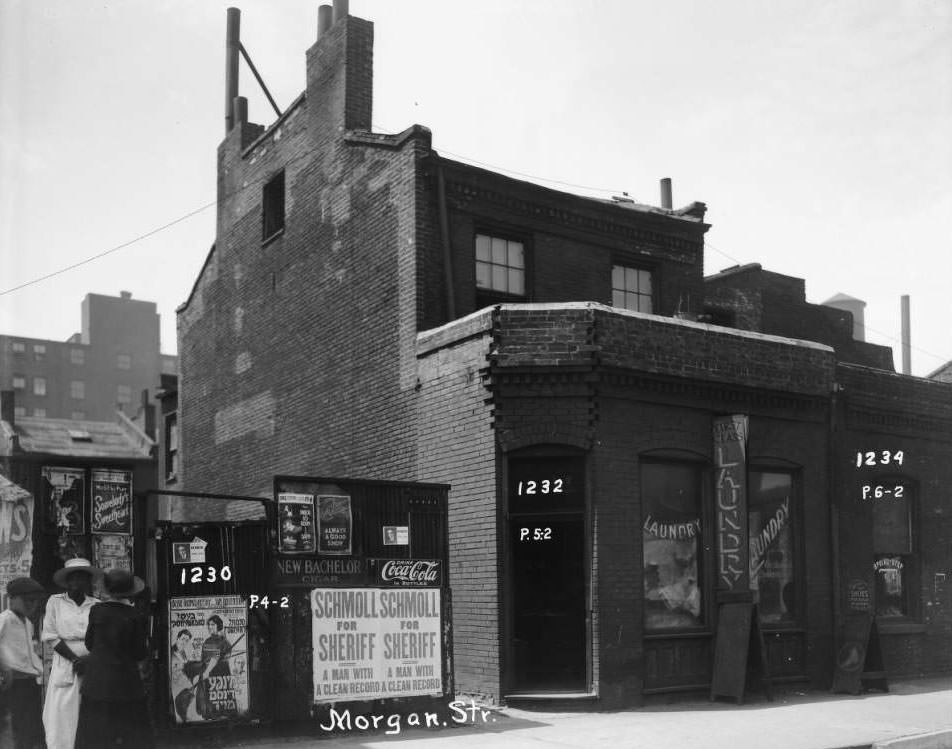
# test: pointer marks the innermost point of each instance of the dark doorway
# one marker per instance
(547, 577)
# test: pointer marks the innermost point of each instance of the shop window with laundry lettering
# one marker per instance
(672, 544)
(772, 539)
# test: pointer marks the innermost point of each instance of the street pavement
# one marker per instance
(795, 720)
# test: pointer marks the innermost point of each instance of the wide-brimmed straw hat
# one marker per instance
(75, 565)
(121, 583)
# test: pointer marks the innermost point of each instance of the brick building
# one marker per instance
(371, 309)
(96, 371)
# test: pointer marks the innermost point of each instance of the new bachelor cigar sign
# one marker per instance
(373, 643)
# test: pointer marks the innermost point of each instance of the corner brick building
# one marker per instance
(370, 309)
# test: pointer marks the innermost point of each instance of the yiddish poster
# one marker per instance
(111, 493)
(372, 643)
(16, 534)
(208, 662)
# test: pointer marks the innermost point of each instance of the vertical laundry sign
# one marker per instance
(730, 459)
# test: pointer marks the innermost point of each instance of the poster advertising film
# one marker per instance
(335, 524)
(63, 495)
(112, 551)
(208, 662)
(111, 493)
(16, 535)
(373, 643)
(296, 523)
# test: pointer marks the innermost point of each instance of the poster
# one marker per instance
(396, 535)
(372, 643)
(112, 551)
(208, 662)
(111, 493)
(16, 535)
(296, 523)
(335, 524)
(63, 499)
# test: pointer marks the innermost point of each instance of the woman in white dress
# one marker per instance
(64, 626)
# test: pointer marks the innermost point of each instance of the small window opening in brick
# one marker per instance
(273, 207)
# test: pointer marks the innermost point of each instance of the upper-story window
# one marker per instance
(18, 347)
(39, 351)
(77, 356)
(171, 447)
(19, 382)
(631, 288)
(39, 413)
(500, 265)
(123, 394)
(77, 389)
(19, 411)
(894, 553)
(123, 361)
(78, 415)
(272, 202)
(39, 386)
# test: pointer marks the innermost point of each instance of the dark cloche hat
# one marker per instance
(119, 582)
(25, 586)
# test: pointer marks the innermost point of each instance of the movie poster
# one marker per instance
(296, 523)
(16, 535)
(112, 551)
(208, 662)
(63, 499)
(111, 493)
(374, 643)
(335, 524)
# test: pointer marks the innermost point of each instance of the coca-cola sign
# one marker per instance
(410, 572)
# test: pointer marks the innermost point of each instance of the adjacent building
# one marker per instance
(374, 310)
(95, 372)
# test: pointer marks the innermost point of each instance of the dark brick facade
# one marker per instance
(354, 342)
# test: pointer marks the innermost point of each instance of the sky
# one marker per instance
(817, 133)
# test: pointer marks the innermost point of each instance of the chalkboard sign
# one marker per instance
(738, 649)
(859, 658)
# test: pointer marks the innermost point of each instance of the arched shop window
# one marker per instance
(672, 545)
(894, 558)
(774, 561)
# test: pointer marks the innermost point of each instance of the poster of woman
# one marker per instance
(208, 664)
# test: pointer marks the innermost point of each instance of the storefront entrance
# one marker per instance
(547, 578)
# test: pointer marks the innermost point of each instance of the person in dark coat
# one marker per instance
(113, 710)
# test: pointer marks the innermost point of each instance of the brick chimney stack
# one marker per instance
(340, 71)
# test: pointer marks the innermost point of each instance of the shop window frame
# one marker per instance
(773, 465)
(911, 621)
(628, 264)
(707, 575)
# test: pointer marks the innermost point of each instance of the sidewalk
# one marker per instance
(813, 720)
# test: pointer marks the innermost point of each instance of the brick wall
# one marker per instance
(457, 446)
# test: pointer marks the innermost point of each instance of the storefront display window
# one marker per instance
(893, 559)
(671, 532)
(772, 550)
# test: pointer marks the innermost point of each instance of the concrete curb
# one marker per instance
(935, 740)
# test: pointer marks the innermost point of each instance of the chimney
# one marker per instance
(340, 71)
(7, 407)
(125, 294)
(666, 193)
(232, 40)
(906, 338)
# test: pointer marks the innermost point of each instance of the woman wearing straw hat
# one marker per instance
(64, 626)
(113, 710)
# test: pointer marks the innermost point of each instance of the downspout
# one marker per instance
(445, 239)
(834, 513)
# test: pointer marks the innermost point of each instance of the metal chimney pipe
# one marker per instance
(231, 65)
(666, 193)
(340, 10)
(325, 19)
(240, 110)
(906, 342)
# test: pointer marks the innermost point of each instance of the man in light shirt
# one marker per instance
(20, 666)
